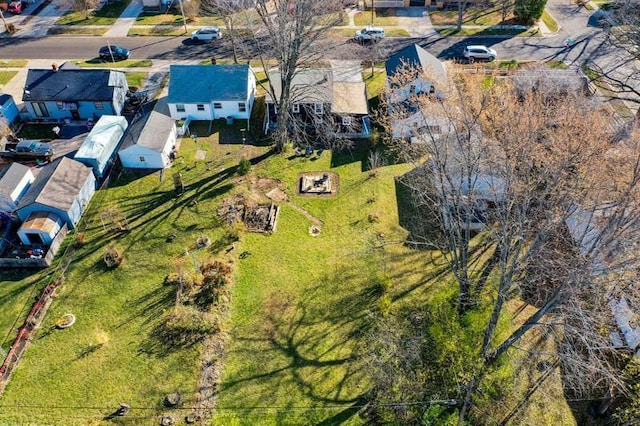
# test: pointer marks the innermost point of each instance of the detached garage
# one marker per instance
(14, 182)
(149, 143)
(99, 147)
(40, 228)
(63, 187)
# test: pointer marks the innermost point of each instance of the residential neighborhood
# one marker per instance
(281, 212)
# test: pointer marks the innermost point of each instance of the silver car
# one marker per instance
(206, 33)
(479, 52)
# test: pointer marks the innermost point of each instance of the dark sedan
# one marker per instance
(113, 53)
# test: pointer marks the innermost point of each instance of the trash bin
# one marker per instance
(229, 120)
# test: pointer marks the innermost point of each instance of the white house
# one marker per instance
(209, 92)
(14, 182)
(63, 187)
(149, 143)
(411, 72)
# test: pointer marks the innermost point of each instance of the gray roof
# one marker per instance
(58, 184)
(414, 56)
(69, 84)
(11, 176)
(150, 130)
(308, 86)
(155, 132)
(190, 84)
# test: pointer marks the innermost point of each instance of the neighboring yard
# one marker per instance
(106, 15)
(129, 63)
(473, 16)
(369, 17)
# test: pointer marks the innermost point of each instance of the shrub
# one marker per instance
(185, 326)
(11, 28)
(244, 167)
(113, 257)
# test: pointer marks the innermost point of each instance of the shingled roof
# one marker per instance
(190, 84)
(415, 56)
(69, 84)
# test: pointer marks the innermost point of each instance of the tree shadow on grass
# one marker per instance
(301, 340)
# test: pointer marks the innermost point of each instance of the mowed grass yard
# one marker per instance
(113, 353)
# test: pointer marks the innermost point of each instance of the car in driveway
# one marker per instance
(113, 53)
(206, 33)
(473, 53)
(369, 34)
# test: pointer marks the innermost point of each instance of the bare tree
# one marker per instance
(86, 7)
(235, 14)
(289, 33)
(514, 175)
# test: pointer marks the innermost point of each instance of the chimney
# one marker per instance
(54, 67)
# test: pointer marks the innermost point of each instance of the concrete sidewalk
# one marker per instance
(124, 23)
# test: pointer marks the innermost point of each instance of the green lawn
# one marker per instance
(157, 31)
(129, 63)
(147, 18)
(375, 83)
(136, 79)
(467, 32)
(114, 353)
(6, 76)
(107, 15)
(13, 63)
(366, 18)
(551, 23)
(93, 31)
(301, 303)
(472, 16)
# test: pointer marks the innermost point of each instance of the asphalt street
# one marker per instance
(181, 48)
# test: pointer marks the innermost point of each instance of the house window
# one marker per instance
(200, 107)
(412, 89)
(60, 106)
(317, 108)
(242, 107)
(99, 105)
(40, 109)
(180, 107)
(346, 121)
(141, 159)
(295, 108)
(217, 105)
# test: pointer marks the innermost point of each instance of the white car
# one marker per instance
(479, 52)
(370, 33)
(206, 33)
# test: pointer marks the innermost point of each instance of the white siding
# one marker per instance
(139, 157)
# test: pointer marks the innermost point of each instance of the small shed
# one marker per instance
(14, 182)
(8, 108)
(63, 187)
(40, 228)
(98, 148)
(149, 143)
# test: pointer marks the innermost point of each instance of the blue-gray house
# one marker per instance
(8, 108)
(71, 92)
(63, 187)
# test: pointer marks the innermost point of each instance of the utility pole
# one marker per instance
(184, 20)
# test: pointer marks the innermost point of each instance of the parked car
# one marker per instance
(370, 34)
(16, 7)
(206, 33)
(479, 52)
(109, 53)
(28, 150)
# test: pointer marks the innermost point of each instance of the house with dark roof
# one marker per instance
(323, 103)
(149, 143)
(209, 92)
(63, 187)
(71, 92)
(414, 76)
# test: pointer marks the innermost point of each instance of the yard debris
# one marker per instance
(257, 217)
